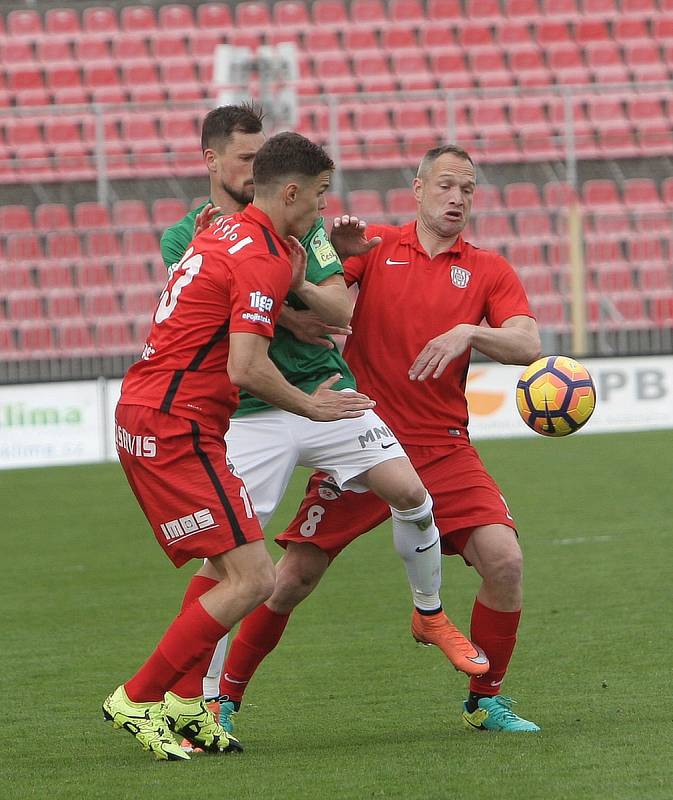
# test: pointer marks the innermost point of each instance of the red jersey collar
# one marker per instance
(409, 236)
(258, 216)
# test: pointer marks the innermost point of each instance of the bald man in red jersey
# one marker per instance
(423, 294)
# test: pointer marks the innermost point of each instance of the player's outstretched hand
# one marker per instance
(349, 237)
(205, 217)
(298, 260)
(331, 405)
(438, 352)
(307, 326)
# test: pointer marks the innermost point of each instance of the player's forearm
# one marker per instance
(507, 345)
(333, 304)
(261, 378)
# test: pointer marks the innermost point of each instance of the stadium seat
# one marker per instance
(398, 37)
(329, 12)
(630, 29)
(641, 192)
(166, 211)
(521, 9)
(493, 226)
(53, 49)
(558, 195)
(642, 250)
(591, 30)
(17, 278)
(92, 275)
(138, 19)
(62, 22)
(25, 305)
(367, 11)
(50, 275)
(667, 191)
(100, 21)
(522, 195)
(101, 244)
(214, 17)
(130, 214)
(400, 205)
(52, 217)
(63, 245)
(661, 310)
(176, 17)
(356, 39)
(437, 37)
(642, 8)
(475, 34)
(139, 242)
(113, 335)
(372, 70)
(23, 247)
(252, 14)
(8, 346)
(488, 197)
(15, 218)
(534, 225)
(537, 282)
(443, 10)
(600, 193)
(526, 254)
(129, 272)
(367, 204)
(140, 300)
(644, 61)
(483, 9)
(101, 303)
(25, 23)
(74, 337)
(36, 338)
(62, 304)
(291, 14)
(550, 32)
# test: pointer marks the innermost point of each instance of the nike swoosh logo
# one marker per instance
(423, 549)
(386, 446)
(480, 658)
(391, 263)
(497, 683)
(227, 677)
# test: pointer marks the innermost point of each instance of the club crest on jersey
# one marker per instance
(460, 277)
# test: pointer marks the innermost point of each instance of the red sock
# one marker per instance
(195, 588)
(190, 639)
(495, 632)
(259, 633)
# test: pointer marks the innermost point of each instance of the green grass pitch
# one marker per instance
(348, 706)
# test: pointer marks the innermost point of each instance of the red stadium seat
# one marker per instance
(130, 214)
(399, 37)
(373, 72)
(657, 278)
(646, 9)
(63, 304)
(528, 9)
(560, 8)
(475, 34)
(53, 49)
(62, 22)
(525, 254)
(130, 47)
(291, 14)
(513, 32)
(360, 39)
(329, 12)
(437, 37)
(400, 204)
(663, 29)
(599, 192)
(630, 29)
(100, 21)
(366, 203)
(63, 76)
(52, 275)
(101, 244)
(166, 211)
(642, 250)
(90, 216)
(552, 32)
(214, 17)
(23, 247)
(140, 242)
(15, 219)
(19, 277)
(334, 73)
(16, 51)
(63, 245)
(538, 282)
(92, 275)
(641, 192)
(101, 303)
(24, 22)
(36, 338)
(483, 9)
(8, 346)
(494, 226)
(251, 14)
(138, 19)
(667, 191)
(367, 11)
(558, 195)
(74, 337)
(444, 10)
(131, 273)
(113, 336)
(406, 11)
(661, 310)
(534, 225)
(522, 195)
(141, 300)
(176, 17)
(168, 44)
(52, 217)
(25, 305)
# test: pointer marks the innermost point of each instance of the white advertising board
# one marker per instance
(72, 423)
(50, 423)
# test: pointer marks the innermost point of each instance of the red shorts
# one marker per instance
(464, 495)
(178, 472)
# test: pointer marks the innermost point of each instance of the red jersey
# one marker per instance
(232, 278)
(406, 298)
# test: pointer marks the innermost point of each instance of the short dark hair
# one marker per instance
(289, 154)
(436, 152)
(220, 123)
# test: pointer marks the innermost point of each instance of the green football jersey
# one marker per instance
(303, 365)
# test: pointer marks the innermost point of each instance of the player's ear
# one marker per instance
(210, 157)
(417, 186)
(290, 193)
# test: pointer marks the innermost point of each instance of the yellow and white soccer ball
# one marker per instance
(555, 396)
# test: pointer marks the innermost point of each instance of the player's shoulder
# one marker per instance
(486, 259)
(239, 237)
(186, 223)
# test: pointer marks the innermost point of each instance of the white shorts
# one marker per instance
(265, 447)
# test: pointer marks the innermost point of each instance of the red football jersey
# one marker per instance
(405, 299)
(233, 278)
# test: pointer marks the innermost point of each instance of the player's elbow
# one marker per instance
(534, 348)
(241, 372)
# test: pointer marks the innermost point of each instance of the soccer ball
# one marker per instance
(555, 396)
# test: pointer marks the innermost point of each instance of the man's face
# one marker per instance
(308, 203)
(232, 165)
(444, 194)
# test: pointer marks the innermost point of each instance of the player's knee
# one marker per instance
(410, 496)
(506, 569)
(262, 584)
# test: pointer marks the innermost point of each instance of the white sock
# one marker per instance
(416, 540)
(211, 682)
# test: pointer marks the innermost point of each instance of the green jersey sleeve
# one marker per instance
(175, 239)
(323, 261)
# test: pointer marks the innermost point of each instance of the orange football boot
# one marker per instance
(438, 629)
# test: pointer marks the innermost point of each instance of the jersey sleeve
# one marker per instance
(173, 244)
(507, 297)
(259, 287)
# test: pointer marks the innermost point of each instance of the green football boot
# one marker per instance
(145, 721)
(495, 714)
(193, 719)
